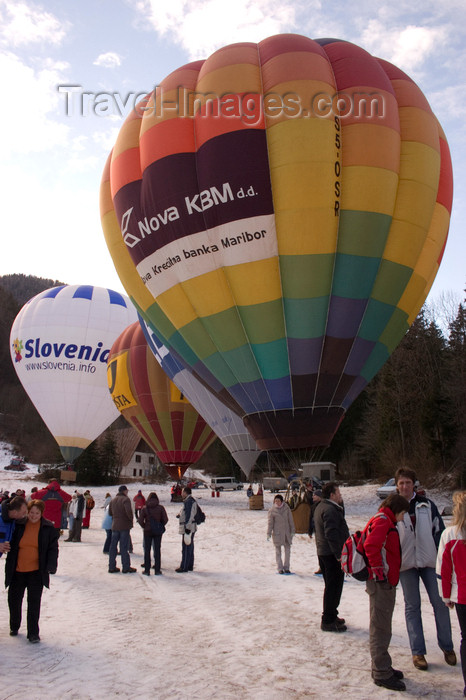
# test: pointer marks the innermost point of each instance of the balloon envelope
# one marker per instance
(282, 227)
(153, 405)
(226, 424)
(60, 343)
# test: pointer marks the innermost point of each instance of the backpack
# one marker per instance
(199, 516)
(90, 503)
(353, 557)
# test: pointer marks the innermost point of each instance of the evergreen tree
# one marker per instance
(88, 467)
(455, 391)
(110, 463)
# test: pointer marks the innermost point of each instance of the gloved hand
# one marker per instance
(187, 531)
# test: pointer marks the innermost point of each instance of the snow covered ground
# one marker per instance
(232, 629)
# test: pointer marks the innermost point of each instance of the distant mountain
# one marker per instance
(24, 287)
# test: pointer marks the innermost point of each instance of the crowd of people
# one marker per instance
(404, 542)
(152, 517)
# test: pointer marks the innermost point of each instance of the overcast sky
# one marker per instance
(52, 155)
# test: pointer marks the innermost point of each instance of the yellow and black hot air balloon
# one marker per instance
(153, 405)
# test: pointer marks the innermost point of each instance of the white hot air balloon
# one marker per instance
(226, 424)
(60, 342)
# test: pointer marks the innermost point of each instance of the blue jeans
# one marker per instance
(187, 555)
(107, 542)
(410, 581)
(121, 536)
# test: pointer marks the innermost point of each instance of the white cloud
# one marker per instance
(202, 26)
(105, 140)
(407, 47)
(108, 60)
(23, 24)
(31, 97)
(52, 226)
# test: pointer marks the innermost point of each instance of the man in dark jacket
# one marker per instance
(122, 521)
(331, 532)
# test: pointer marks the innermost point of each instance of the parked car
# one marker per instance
(389, 487)
(17, 465)
(227, 483)
(386, 489)
(197, 484)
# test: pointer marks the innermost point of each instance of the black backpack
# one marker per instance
(199, 516)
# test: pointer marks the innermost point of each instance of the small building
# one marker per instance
(325, 471)
(142, 463)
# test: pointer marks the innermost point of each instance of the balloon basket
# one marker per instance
(301, 515)
(67, 476)
(256, 502)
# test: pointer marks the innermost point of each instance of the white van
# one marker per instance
(225, 483)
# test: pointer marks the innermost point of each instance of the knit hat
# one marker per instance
(122, 489)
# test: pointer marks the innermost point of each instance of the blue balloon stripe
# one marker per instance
(116, 298)
(84, 291)
(52, 293)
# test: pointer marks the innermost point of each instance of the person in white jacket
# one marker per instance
(281, 528)
(420, 532)
(451, 569)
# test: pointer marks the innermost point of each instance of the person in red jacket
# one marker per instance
(139, 503)
(451, 569)
(90, 503)
(383, 552)
(55, 500)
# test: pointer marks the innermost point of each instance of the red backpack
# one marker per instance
(353, 557)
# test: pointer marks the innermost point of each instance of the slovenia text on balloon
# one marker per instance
(60, 342)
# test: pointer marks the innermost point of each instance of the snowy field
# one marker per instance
(232, 629)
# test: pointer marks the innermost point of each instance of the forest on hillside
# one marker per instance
(413, 412)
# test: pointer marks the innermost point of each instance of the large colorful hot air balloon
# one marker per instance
(225, 424)
(60, 343)
(279, 212)
(153, 405)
